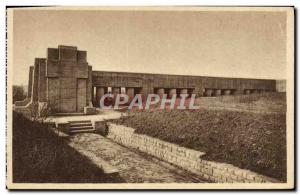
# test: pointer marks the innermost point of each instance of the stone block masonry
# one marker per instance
(62, 80)
(185, 158)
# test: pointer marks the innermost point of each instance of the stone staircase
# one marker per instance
(81, 126)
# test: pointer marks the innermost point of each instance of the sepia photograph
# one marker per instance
(157, 97)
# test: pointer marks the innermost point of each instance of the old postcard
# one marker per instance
(150, 98)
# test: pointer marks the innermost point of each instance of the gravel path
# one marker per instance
(133, 166)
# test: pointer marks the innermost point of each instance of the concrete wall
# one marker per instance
(281, 85)
(53, 92)
(183, 157)
(198, 84)
(62, 80)
(69, 79)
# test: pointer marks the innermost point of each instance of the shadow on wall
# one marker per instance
(40, 156)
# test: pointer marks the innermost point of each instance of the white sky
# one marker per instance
(229, 44)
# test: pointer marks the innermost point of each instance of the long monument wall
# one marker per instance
(65, 81)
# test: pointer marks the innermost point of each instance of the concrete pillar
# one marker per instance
(172, 92)
(184, 91)
(109, 89)
(94, 90)
(197, 90)
(160, 92)
(29, 89)
(100, 91)
(226, 91)
(35, 82)
(89, 90)
(217, 92)
(146, 89)
(130, 92)
(116, 90)
(42, 81)
(247, 91)
(208, 92)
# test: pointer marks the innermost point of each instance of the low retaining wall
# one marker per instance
(22, 102)
(188, 159)
(25, 110)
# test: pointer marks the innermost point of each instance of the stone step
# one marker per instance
(81, 127)
(83, 121)
(82, 131)
(80, 124)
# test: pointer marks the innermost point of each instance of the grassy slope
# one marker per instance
(40, 156)
(247, 140)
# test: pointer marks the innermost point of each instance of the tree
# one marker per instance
(18, 93)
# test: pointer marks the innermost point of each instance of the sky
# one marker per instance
(204, 43)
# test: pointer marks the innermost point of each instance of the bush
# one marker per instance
(18, 93)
